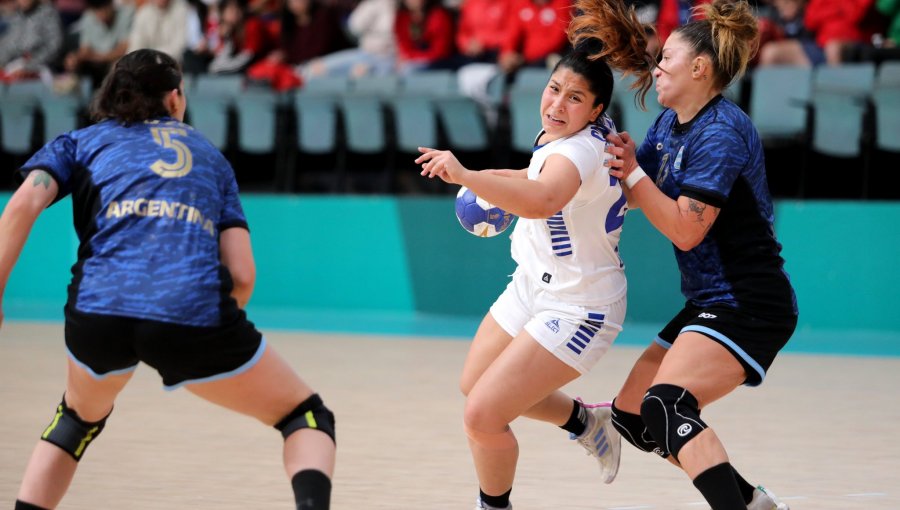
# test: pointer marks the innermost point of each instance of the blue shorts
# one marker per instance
(107, 345)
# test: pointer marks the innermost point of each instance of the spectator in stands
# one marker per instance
(308, 30)
(673, 14)
(103, 38)
(371, 23)
(31, 42)
(785, 39)
(69, 11)
(230, 42)
(482, 29)
(424, 34)
(834, 25)
(535, 34)
(161, 25)
(891, 10)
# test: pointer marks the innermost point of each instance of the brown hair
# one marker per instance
(133, 90)
(728, 34)
(622, 38)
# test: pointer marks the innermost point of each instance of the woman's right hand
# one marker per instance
(623, 151)
(443, 164)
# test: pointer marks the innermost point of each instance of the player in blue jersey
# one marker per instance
(164, 269)
(566, 302)
(700, 179)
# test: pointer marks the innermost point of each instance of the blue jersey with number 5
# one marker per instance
(149, 201)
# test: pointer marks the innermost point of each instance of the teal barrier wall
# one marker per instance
(404, 266)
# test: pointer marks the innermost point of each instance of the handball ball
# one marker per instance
(479, 217)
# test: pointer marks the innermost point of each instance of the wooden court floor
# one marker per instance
(822, 432)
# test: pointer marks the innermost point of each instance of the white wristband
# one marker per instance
(633, 178)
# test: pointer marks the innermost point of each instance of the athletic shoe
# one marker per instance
(601, 439)
(763, 499)
(479, 505)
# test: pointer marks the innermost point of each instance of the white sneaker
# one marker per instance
(601, 439)
(763, 499)
(479, 505)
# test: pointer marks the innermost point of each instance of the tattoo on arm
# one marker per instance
(41, 177)
(695, 211)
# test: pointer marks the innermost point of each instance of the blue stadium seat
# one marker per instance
(886, 98)
(524, 118)
(839, 102)
(779, 99)
(18, 107)
(211, 103)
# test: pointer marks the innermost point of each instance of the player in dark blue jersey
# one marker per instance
(164, 270)
(700, 178)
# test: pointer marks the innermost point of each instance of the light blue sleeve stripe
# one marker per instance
(95, 375)
(727, 341)
(225, 375)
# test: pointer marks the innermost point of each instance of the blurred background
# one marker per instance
(321, 104)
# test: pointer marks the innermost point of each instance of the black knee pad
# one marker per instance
(310, 414)
(70, 432)
(672, 416)
(633, 430)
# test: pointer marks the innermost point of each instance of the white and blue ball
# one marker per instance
(480, 217)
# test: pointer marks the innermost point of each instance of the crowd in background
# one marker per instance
(287, 42)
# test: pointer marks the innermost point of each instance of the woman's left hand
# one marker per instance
(443, 164)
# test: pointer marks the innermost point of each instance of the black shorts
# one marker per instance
(753, 339)
(107, 345)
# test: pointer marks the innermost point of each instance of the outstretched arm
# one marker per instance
(558, 182)
(32, 197)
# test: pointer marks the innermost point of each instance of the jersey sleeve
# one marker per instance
(232, 212)
(716, 159)
(58, 158)
(582, 155)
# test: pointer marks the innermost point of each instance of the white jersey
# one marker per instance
(574, 254)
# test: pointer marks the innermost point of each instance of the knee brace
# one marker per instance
(633, 430)
(70, 432)
(310, 414)
(672, 416)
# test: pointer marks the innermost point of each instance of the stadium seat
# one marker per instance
(463, 123)
(524, 118)
(257, 118)
(839, 102)
(316, 107)
(530, 79)
(18, 107)
(211, 103)
(886, 98)
(778, 102)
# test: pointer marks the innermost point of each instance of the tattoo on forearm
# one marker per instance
(41, 177)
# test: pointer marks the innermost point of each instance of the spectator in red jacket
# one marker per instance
(424, 32)
(482, 29)
(536, 31)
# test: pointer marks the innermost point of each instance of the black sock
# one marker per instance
(718, 486)
(577, 420)
(21, 505)
(501, 501)
(744, 486)
(312, 490)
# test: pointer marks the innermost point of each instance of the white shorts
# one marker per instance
(578, 335)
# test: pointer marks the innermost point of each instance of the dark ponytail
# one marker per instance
(134, 88)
